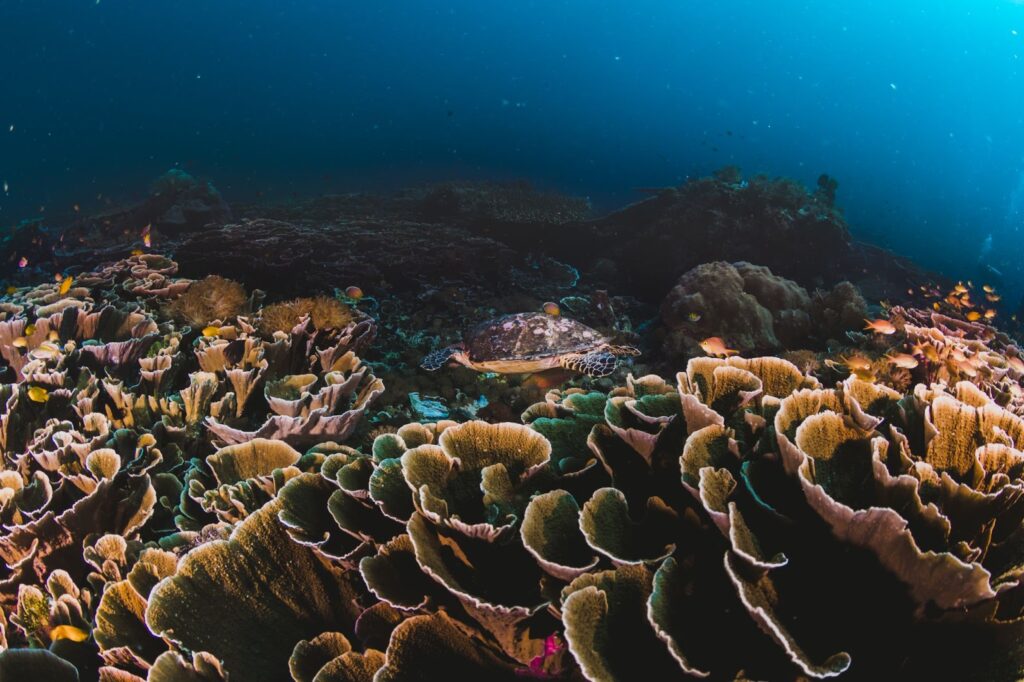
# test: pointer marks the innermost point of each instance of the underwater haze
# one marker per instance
(915, 107)
(565, 341)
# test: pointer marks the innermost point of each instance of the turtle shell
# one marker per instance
(526, 336)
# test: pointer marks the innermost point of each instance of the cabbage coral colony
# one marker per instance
(192, 491)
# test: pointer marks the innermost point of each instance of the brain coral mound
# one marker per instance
(753, 310)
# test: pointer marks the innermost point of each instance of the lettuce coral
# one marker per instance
(227, 505)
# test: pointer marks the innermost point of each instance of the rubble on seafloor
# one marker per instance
(222, 460)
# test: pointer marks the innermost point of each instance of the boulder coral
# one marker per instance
(753, 310)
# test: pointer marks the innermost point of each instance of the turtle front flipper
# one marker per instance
(623, 351)
(439, 358)
(598, 363)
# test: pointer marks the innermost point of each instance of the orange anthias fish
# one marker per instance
(857, 365)
(927, 350)
(973, 316)
(857, 362)
(714, 345)
(903, 360)
(65, 285)
(880, 326)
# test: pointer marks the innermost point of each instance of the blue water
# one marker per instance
(915, 107)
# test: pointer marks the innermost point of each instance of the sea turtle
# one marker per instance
(531, 342)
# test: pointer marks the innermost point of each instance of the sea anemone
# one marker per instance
(325, 313)
(211, 298)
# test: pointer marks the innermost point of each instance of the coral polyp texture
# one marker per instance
(198, 487)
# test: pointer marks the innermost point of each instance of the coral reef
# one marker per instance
(176, 204)
(199, 486)
(775, 222)
(517, 203)
(184, 505)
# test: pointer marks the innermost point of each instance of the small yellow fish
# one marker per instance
(993, 298)
(551, 308)
(960, 289)
(137, 252)
(880, 326)
(68, 632)
(210, 331)
(38, 394)
(20, 342)
(12, 289)
(46, 350)
(973, 316)
(53, 335)
(147, 241)
(988, 289)
(990, 313)
(30, 330)
(714, 345)
(694, 317)
(65, 285)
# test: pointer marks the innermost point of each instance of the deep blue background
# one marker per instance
(916, 107)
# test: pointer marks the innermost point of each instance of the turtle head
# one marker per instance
(439, 358)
